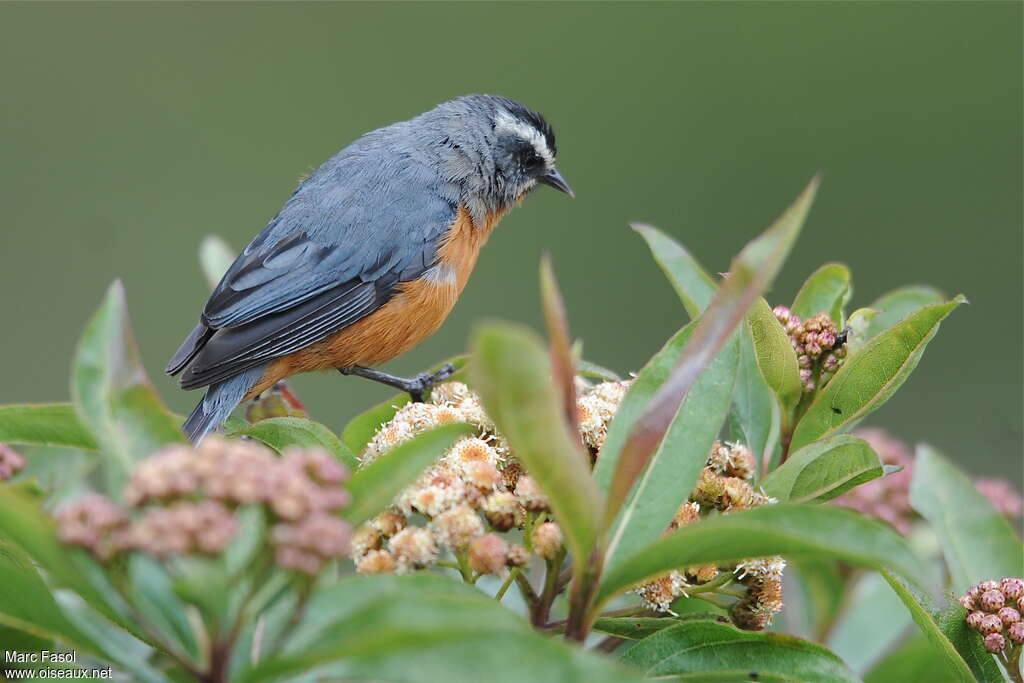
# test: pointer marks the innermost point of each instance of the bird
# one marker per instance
(367, 256)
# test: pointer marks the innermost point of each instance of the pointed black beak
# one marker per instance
(554, 179)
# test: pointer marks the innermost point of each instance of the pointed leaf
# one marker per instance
(826, 291)
(775, 356)
(46, 424)
(757, 415)
(281, 432)
(26, 603)
(867, 380)
(513, 375)
(376, 484)
(978, 543)
(672, 470)
(113, 397)
(871, 623)
(23, 523)
(899, 304)
(752, 271)
(956, 667)
(692, 283)
(768, 530)
(712, 651)
(425, 628)
(557, 324)
(823, 470)
(215, 257)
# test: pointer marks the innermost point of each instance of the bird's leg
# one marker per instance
(416, 386)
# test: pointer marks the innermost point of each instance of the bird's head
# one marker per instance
(505, 148)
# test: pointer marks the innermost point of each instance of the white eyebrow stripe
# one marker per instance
(506, 123)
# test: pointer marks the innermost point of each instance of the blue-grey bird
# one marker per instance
(368, 255)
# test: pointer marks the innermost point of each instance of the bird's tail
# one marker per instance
(218, 403)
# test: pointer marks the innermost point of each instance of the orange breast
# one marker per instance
(414, 313)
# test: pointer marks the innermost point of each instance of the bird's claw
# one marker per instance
(425, 381)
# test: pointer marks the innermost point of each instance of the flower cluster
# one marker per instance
(476, 491)
(186, 500)
(723, 485)
(888, 498)
(994, 610)
(819, 351)
(11, 462)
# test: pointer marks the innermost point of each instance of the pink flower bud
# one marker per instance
(974, 619)
(990, 623)
(992, 600)
(1016, 632)
(994, 642)
(1012, 588)
(1008, 616)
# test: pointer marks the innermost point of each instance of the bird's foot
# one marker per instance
(417, 387)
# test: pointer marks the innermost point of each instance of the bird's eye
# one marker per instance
(531, 159)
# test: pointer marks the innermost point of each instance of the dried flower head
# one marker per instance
(530, 495)
(413, 548)
(488, 554)
(455, 528)
(376, 562)
(503, 510)
(547, 540)
(595, 410)
(659, 593)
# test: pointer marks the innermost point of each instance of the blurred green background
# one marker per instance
(129, 131)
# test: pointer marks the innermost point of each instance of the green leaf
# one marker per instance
(153, 593)
(750, 274)
(823, 470)
(360, 429)
(27, 604)
(956, 667)
(768, 530)
(638, 628)
(376, 484)
(692, 283)
(215, 257)
(867, 379)
(113, 396)
(968, 643)
(671, 472)
(712, 651)
(281, 432)
(425, 628)
(585, 368)
(871, 623)
(826, 291)
(47, 424)
(646, 383)
(977, 542)
(24, 524)
(775, 356)
(857, 326)
(512, 372)
(563, 365)
(899, 304)
(814, 591)
(914, 660)
(756, 412)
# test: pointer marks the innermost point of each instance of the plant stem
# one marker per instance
(1011, 661)
(609, 644)
(465, 569)
(530, 597)
(505, 586)
(721, 580)
(714, 601)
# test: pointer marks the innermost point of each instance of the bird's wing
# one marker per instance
(334, 254)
